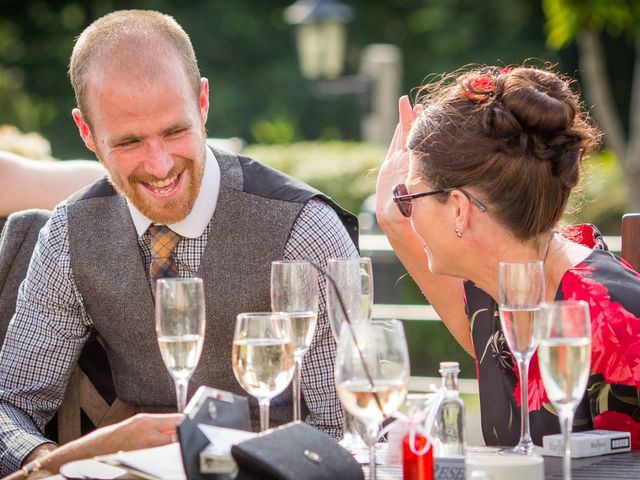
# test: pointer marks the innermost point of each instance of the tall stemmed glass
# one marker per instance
(372, 372)
(294, 290)
(564, 354)
(354, 280)
(180, 324)
(521, 289)
(262, 357)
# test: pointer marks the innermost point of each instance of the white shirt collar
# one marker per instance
(195, 223)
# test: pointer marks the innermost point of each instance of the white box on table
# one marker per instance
(588, 444)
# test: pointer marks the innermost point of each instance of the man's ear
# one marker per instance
(83, 128)
(203, 100)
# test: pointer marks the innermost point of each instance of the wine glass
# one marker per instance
(372, 372)
(564, 354)
(180, 323)
(521, 289)
(294, 290)
(354, 280)
(262, 357)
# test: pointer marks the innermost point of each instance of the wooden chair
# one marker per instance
(630, 233)
(90, 390)
(83, 396)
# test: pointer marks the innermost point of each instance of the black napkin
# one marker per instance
(292, 452)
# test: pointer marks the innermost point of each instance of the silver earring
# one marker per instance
(458, 233)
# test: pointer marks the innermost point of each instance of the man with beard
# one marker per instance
(141, 108)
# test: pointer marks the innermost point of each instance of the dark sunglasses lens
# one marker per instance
(403, 205)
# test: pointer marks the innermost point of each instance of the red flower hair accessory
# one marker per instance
(479, 89)
(481, 86)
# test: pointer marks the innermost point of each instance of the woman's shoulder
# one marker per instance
(603, 274)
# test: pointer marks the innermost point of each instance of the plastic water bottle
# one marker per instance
(448, 425)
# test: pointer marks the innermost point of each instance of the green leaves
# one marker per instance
(566, 18)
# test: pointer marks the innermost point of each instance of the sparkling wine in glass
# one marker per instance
(262, 357)
(564, 354)
(372, 372)
(294, 290)
(521, 289)
(180, 324)
(354, 279)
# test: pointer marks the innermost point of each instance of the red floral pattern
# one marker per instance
(612, 401)
(537, 395)
(619, 422)
(614, 330)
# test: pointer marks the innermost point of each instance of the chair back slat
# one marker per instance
(630, 233)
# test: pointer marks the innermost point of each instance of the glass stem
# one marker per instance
(523, 370)
(372, 436)
(566, 422)
(264, 413)
(372, 461)
(181, 394)
(297, 377)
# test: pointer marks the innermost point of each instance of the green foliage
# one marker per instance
(247, 51)
(430, 343)
(565, 18)
(342, 170)
(602, 198)
(279, 130)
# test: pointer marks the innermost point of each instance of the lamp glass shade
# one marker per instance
(321, 49)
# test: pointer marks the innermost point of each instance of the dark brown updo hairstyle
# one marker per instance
(517, 135)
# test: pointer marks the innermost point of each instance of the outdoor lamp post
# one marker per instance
(322, 42)
(321, 36)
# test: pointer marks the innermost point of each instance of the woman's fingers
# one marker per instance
(394, 141)
(406, 117)
(418, 108)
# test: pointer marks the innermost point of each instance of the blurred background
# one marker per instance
(330, 128)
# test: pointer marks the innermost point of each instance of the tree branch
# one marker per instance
(594, 71)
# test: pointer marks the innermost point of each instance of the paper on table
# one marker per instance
(164, 463)
(222, 439)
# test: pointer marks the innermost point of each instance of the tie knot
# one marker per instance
(163, 241)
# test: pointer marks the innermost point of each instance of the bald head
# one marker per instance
(131, 43)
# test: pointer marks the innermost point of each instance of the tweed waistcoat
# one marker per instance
(255, 212)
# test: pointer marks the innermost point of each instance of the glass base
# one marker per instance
(523, 448)
(354, 444)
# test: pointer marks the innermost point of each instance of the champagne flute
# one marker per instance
(180, 324)
(262, 357)
(521, 289)
(354, 280)
(372, 373)
(294, 290)
(564, 354)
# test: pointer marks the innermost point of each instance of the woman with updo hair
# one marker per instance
(480, 171)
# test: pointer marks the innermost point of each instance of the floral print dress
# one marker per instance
(612, 402)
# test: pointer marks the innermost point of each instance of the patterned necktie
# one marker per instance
(163, 241)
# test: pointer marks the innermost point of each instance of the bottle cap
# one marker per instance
(449, 367)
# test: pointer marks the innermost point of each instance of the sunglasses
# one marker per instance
(404, 199)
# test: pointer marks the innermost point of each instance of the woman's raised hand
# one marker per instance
(394, 170)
